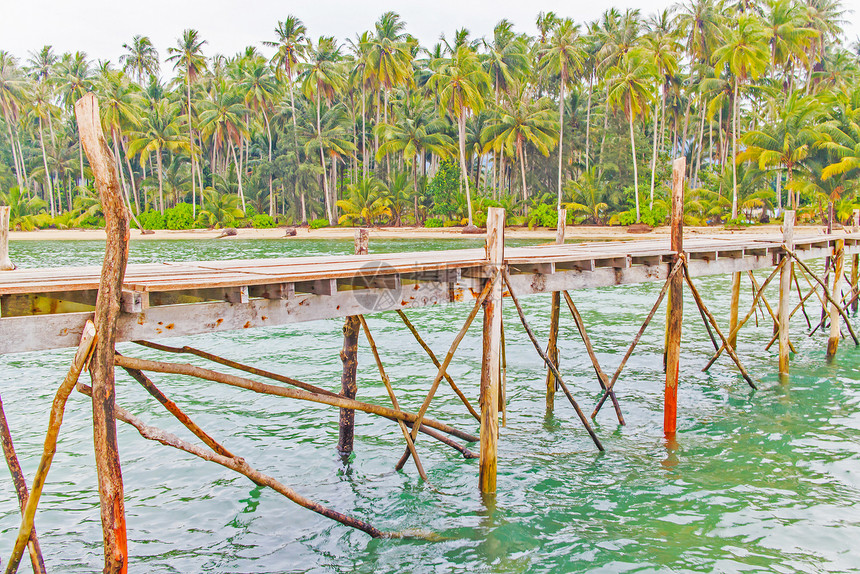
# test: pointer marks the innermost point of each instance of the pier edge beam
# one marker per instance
(490, 367)
(675, 303)
(783, 309)
(349, 358)
(835, 320)
(555, 308)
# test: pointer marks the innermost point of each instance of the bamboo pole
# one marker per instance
(601, 376)
(785, 293)
(555, 306)
(770, 310)
(410, 444)
(793, 312)
(21, 490)
(238, 366)
(675, 304)
(546, 360)
(758, 295)
(239, 465)
(827, 295)
(733, 309)
(106, 314)
(491, 349)
(448, 358)
(802, 298)
(349, 358)
(55, 420)
(264, 388)
(713, 321)
(838, 263)
(5, 263)
(676, 268)
(436, 362)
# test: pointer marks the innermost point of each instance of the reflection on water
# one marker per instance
(761, 481)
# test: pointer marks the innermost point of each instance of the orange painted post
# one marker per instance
(675, 304)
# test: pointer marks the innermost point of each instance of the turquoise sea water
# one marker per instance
(759, 481)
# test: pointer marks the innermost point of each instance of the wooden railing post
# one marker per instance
(106, 315)
(555, 307)
(675, 303)
(490, 368)
(5, 263)
(349, 358)
(835, 320)
(785, 293)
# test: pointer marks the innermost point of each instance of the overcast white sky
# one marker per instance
(100, 27)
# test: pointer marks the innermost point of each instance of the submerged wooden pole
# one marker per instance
(785, 292)
(675, 303)
(55, 420)
(835, 331)
(5, 263)
(491, 364)
(554, 310)
(733, 309)
(106, 315)
(349, 357)
(20, 483)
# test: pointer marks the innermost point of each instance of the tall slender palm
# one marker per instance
(221, 120)
(290, 47)
(563, 56)
(141, 57)
(745, 56)
(187, 57)
(461, 84)
(321, 80)
(73, 79)
(630, 90)
(12, 93)
(260, 91)
(41, 108)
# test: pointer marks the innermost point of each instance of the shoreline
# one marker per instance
(572, 233)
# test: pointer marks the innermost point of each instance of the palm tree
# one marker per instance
(589, 196)
(321, 80)
(366, 201)
(563, 56)
(630, 91)
(218, 209)
(461, 83)
(12, 94)
(187, 57)
(141, 57)
(221, 123)
(745, 57)
(73, 80)
(521, 123)
(786, 142)
(260, 92)
(159, 132)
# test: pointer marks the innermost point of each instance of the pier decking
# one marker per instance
(47, 308)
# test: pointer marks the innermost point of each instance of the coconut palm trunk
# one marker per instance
(654, 155)
(588, 124)
(633, 150)
(461, 133)
(328, 209)
(560, 133)
(735, 153)
(49, 187)
(238, 174)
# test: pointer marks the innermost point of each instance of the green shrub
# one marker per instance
(654, 217)
(178, 217)
(480, 219)
(262, 221)
(452, 223)
(318, 223)
(433, 222)
(151, 220)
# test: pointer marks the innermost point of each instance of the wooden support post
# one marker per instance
(349, 357)
(5, 263)
(107, 312)
(835, 323)
(21, 489)
(490, 370)
(555, 306)
(733, 310)
(675, 303)
(785, 293)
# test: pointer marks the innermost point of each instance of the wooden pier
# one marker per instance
(93, 308)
